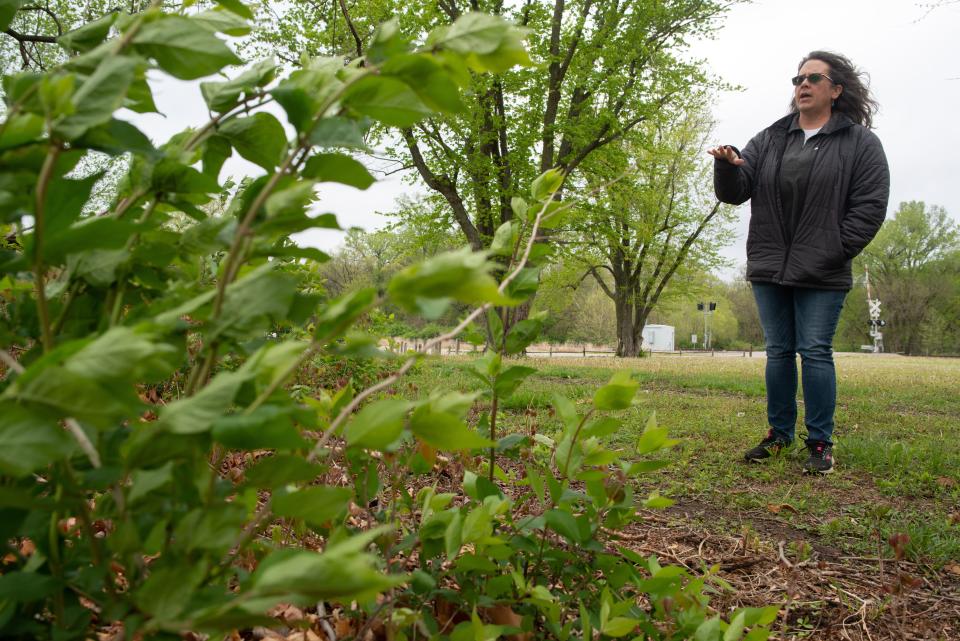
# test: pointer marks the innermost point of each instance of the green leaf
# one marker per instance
(281, 251)
(564, 524)
(342, 573)
(474, 32)
(652, 439)
(735, 631)
(509, 54)
(30, 440)
(546, 184)
(600, 428)
(510, 379)
(461, 275)
(619, 627)
(59, 390)
(127, 354)
(566, 411)
(317, 505)
(444, 430)
(196, 414)
(340, 313)
(237, 7)
(145, 481)
(117, 137)
(522, 334)
(505, 239)
(282, 469)
(216, 150)
(289, 202)
(183, 48)
(99, 96)
(254, 302)
(617, 394)
(170, 176)
(387, 42)
(386, 99)
(338, 132)
(267, 427)
(337, 168)
(525, 285)
(225, 22)
(169, 590)
(492, 359)
(139, 96)
(222, 96)
(26, 587)
(427, 79)
(65, 201)
(657, 502)
(89, 35)
(452, 535)
(8, 10)
(378, 425)
(88, 234)
(21, 129)
(259, 138)
(709, 630)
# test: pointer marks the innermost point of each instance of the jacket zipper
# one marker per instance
(803, 208)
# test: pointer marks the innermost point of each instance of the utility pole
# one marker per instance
(707, 309)
(873, 307)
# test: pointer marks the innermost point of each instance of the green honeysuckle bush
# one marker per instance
(114, 511)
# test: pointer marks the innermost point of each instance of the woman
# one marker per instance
(818, 183)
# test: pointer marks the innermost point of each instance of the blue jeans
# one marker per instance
(799, 319)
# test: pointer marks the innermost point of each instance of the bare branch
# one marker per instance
(446, 187)
(23, 37)
(353, 29)
(47, 11)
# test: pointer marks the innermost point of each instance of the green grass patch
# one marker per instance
(897, 442)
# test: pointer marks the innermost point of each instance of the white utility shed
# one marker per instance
(658, 338)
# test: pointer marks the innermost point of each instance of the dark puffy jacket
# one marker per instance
(846, 202)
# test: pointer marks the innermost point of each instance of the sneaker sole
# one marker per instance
(820, 472)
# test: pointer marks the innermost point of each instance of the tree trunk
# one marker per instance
(627, 344)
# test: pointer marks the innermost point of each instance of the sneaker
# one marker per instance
(770, 446)
(820, 460)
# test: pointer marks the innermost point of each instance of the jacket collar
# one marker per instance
(838, 121)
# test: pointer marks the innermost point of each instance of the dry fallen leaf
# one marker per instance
(946, 481)
(952, 568)
(776, 508)
(504, 615)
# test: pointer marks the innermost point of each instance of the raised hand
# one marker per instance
(727, 153)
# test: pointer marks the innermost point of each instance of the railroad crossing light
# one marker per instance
(713, 307)
(699, 307)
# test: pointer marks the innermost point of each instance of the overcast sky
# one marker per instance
(912, 59)
(914, 68)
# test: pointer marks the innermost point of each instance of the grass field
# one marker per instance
(897, 441)
(897, 450)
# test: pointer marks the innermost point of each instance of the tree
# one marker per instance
(744, 308)
(909, 263)
(659, 224)
(33, 31)
(611, 64)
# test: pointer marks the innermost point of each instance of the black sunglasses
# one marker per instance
(814, 78)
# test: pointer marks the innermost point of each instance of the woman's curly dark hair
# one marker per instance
(855, 100)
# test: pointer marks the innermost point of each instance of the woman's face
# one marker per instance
(815, 97)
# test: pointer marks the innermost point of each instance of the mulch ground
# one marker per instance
(823, 593)
(824, 596)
